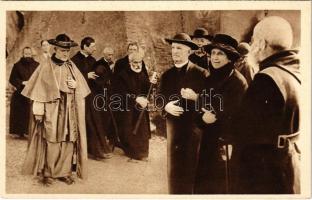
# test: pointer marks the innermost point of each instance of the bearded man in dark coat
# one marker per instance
(20, 105)
(58, 144)
(200, 56)
(132, 85)
(124, 63)
(182, 133)
(269, 124)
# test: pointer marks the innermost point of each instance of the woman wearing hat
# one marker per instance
(225, 87)
(58, 90)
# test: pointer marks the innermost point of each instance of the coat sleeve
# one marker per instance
(15, 78)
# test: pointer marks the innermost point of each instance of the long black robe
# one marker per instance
(129, 85)
(271, 107)
(20, 105)
(99, 97)
(96, 129)
(183, 135)
(230, 85)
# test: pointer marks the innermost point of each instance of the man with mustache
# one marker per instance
(269, 124)
(132, 85)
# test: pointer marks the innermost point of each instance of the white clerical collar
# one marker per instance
(181, 64)
(85, 55)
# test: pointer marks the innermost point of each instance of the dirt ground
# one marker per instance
(112, 176)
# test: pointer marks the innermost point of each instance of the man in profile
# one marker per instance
(269, 122)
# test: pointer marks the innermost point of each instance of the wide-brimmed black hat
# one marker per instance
(225, 43)
(202, 33)
(62, 40)
(183, 38)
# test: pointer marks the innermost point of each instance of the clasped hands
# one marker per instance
(208, 117)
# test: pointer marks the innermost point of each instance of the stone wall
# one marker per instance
(117, 28)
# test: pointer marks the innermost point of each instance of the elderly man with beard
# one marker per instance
(182, 133)
(123, 63)
(269, 122)
(132, 85)
(58, 91)
(20, 105)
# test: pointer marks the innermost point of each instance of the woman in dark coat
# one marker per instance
(132, 86)
(224, 88)
(20, 105)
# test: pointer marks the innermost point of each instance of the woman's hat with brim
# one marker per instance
(62, 40)
(201, 33)
(183, 38)
(225, 43)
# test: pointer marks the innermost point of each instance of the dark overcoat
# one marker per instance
(20, 105)
(225, 87)
(183, 135)
(128, 86)
(271, 108)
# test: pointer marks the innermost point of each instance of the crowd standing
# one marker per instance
(231, 110)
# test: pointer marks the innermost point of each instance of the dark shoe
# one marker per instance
(46, 181)
(68, 180)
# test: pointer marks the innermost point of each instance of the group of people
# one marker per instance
(231, 110)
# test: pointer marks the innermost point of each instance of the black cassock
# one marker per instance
(128, 86)
(183, 134)
(20, 105)
(96, 119)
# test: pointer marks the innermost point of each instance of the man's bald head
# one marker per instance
(270, 35)
(276, 31)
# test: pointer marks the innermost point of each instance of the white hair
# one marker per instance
(276, 31)
(137, 54)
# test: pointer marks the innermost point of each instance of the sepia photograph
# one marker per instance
(157, 100)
